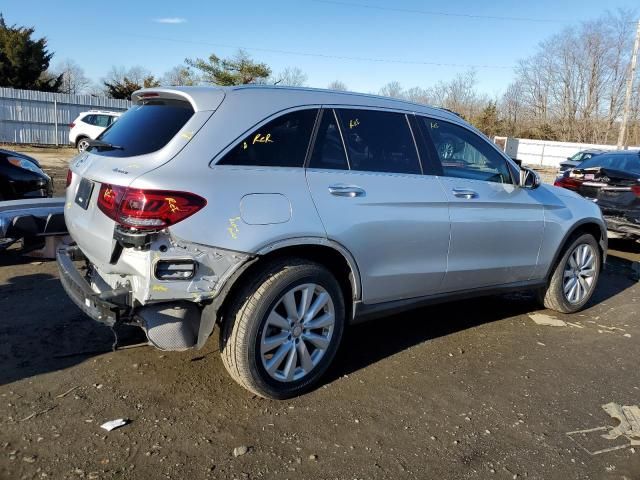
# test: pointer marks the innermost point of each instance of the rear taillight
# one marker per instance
(71, 125)
(636, 190)
(69, 178)
(147, 209)
(567, 182)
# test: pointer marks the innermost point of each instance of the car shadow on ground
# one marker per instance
(367, 343)
(42, 331)
(624, 245)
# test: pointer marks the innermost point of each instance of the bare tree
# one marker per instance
(392, 89)
(512, 108)
(572, 87)
(337, 85)
(121, 83)
(419, 95)
(74, 80)
(180, 76)
(290, 76)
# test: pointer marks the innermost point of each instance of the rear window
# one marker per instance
(144, 128)
(624, 162)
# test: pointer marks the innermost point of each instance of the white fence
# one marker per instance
(543, 152)
(28, 116)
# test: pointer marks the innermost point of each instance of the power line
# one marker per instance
(442, 14)
(321, 55)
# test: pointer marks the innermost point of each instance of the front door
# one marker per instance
(496, 225)
(377, 204)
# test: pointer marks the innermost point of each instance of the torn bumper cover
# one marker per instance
(176, 314)
(108, 307)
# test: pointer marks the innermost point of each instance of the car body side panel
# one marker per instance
(226, 188)
(496, 237)
(398, 231)
(564, 210)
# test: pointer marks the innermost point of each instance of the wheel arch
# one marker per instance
(329, 253)
(79, 137)
(587, 225)
(321, 250)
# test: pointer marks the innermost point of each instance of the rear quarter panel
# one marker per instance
(223, 221)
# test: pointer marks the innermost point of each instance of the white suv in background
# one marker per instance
(88, 125)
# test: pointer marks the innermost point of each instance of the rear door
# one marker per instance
(496, 226)
(374, 200)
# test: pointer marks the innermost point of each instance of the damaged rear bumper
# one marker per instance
(175, 314)
(108, 307)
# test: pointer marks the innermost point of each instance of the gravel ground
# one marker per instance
(468, 390)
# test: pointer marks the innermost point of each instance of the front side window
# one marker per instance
(282, 142)
(463, 154)
(328, 150)
(378, 141)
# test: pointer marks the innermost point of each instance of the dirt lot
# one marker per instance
(474, 389)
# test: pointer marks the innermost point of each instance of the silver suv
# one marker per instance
(284, 215)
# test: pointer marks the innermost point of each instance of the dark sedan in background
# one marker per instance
(21, 177)
(612, 180)
(578, 158)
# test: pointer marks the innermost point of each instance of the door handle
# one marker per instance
(346, 191)
(464, 193)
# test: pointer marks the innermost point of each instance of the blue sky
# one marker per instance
(98, 35)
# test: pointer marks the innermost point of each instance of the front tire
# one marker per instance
(283, 329)
(575, 276)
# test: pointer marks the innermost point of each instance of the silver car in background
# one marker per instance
(284, 215)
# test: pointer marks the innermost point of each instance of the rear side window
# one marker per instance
(282, 142)
(144, 128)
(378, 141)
(90, 119)
(102, 121)
(328, 150)
(463, 154)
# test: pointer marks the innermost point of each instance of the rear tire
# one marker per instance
(82, 144)
(575, 276)
(283, 329)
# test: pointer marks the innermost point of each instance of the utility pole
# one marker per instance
(622, 143)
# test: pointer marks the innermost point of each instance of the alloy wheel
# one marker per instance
(297, 332)
(579, 273)
(83, 145)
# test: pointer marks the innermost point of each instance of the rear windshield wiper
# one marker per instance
(104, 145)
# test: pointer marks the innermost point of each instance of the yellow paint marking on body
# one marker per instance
(260, 138)
(233, 227)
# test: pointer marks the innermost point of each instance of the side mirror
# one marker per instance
(529, 178)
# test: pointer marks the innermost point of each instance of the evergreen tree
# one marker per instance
(238, 70)
(24, 61)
